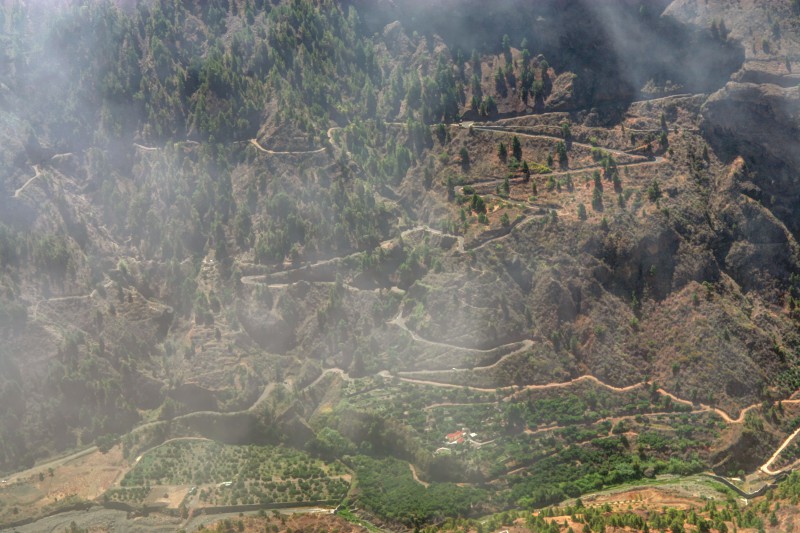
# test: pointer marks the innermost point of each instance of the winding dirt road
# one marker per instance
(494, 182)
(459, 239)
(514, 226)
(507, 131)
(454, 404)
(510, 391)
(35, 313)
(262, 279)
(415, 476)
(324, 373)
(697, 407)
(526, 344)
(399, 321)
(766, 466)
(37, 173)
(145, 148)
(522, 389)
(255, 143)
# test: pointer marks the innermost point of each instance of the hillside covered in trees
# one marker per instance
(511, 252)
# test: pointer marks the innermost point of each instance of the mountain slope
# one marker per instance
(358, 228)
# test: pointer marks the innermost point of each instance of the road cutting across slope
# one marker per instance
(37, 173)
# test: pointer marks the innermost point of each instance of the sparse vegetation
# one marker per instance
(258, 474)
(307, 223)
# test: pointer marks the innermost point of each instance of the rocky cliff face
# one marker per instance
(760, 122)
(756, 114)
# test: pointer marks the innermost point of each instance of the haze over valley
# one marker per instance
(316, 265)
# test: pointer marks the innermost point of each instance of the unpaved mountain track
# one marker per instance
(399, 321)
(324, 373)
(255, 143)
(262, 397)
(526, 344)
(455, 404)
(522, 345)
(445, 385)
(506, 131)
(35, 313)
(766, 466)
(37, 173)
(262, 279)
(494, 182)
(700, 408)
(168, 441)
(697, 407)
(415, 476)
(459, 239)
(146, 148)
(514, 226)
(510, 130)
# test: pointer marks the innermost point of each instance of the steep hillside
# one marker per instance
(534, 249)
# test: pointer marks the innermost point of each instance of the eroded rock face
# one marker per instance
(760, 122)
(756, 120)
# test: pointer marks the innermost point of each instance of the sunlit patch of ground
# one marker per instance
(85, 477)
(169, 496)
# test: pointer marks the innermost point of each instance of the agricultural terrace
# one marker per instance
(232, 475)
(541, 445)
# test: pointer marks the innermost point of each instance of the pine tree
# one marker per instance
(516, 148)
(561, 150)
(597, 199)
(502, 152)
(506, 186)
(464, 154)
